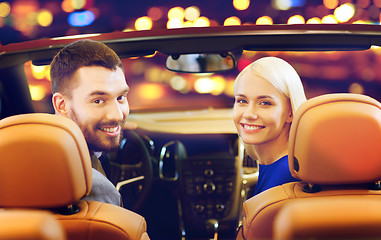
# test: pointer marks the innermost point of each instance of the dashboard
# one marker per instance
(198, 167)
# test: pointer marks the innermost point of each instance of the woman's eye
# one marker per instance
(265, 103)
(241, 101)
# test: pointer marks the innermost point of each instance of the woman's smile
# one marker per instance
(249, 128)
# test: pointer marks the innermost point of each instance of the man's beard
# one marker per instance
(93, 142)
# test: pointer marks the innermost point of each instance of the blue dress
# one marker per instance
(274, 174)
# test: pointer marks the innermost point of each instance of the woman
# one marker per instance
(267, 94)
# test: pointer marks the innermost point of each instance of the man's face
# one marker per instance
(99, 106)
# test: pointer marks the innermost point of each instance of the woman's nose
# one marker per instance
(250, 113)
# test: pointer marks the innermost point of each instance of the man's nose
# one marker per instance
(117, 111)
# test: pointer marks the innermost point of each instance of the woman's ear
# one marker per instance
(290, 117)
(59, 104)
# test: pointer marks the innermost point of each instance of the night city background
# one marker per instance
(23, 20)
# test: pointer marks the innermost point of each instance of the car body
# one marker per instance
(183, 168)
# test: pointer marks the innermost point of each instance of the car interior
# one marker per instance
(183, 172)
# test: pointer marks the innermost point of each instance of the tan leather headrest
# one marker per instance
(336, 139)
(44, 161)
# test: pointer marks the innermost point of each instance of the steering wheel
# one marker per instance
(132, 172)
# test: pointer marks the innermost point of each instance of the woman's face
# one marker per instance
(261, 112)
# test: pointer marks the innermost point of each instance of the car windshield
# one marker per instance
(155, 88)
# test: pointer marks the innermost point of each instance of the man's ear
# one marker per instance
(59, 104)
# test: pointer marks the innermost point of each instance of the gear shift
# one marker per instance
(212, 227)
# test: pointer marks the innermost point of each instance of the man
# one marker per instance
(89, 87)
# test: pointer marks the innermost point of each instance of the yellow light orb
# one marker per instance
(151, 91)
(329, 19)
(314, 20)
(232, 21)
(264, 20)
(201, 22)
(192, 13)
(143, 23)
(5, 9)
(176, 12)
(241, 4)
(204, 85)
(174, 23)
(345, 12)
(296, 19)
(45, 18)
(37, 92)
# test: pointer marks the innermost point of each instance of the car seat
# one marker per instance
(339, 217)
(45, 164)
(334, 148)
(30, 225)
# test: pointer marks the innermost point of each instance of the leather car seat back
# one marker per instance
(337, 217)
(45, 164)
(30, 225)
(335, 139)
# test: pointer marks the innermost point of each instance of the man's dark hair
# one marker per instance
(82, 53)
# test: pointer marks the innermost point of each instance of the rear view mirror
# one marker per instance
(200, 63)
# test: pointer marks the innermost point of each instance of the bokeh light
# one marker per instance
(264, 20)
(281, 4)
(81, 19)
(180, 84)
(155, 13)
(329, 19)
(241, 4)
(345, 12)
(314, 20)
(204, 85)
(67, 6)
(191, 13)
(201, 22)
(78, 4)
(37, 92)
(296, 19)
(175, 23)
(356, 88)
(151, 91)
(5, 9)
(331, 4)
(143, 23)
(232, 21)
(176, 12)
(45, 18)
(219, 85)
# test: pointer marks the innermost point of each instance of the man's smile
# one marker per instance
(111, 131)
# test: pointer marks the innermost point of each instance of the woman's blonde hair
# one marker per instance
(281, 74)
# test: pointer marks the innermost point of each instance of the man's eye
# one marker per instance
(122, 97)
(98, 101)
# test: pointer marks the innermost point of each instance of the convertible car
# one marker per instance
(183, 167)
